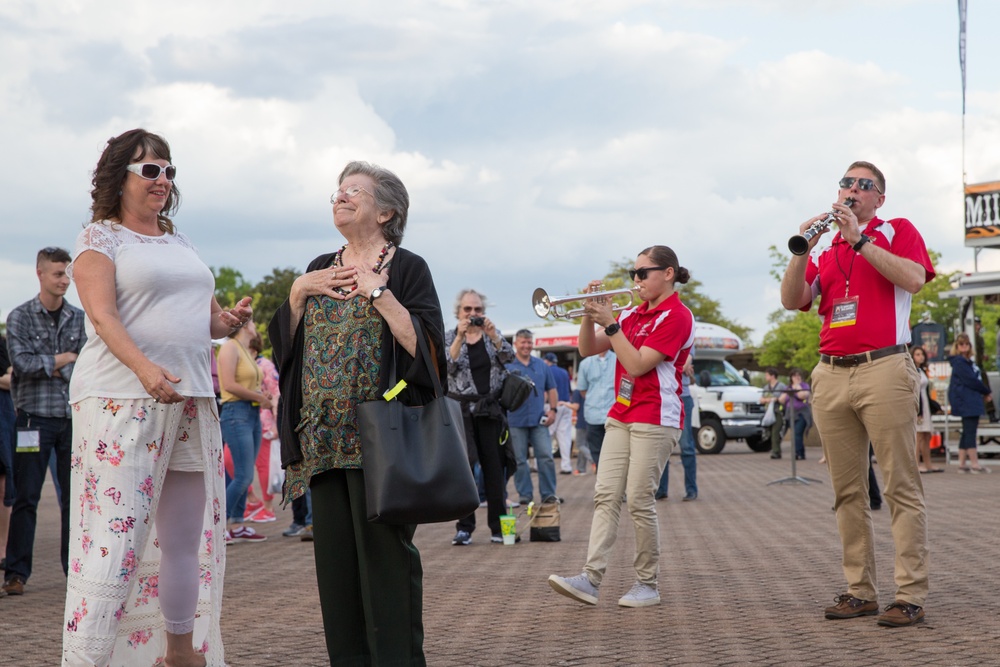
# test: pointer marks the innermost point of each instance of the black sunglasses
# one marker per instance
(643, 273)
(847, 182)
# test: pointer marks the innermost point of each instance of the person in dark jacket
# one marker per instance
(965, 394)
(334, 339)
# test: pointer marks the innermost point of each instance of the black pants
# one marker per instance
(369, 577)
(485, 434)
(54, 433)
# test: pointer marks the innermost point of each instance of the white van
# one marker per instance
(729, 407)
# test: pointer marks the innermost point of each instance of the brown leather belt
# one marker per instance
(864, 357)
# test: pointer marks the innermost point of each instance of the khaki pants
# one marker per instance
(875, 401)
(632, 459)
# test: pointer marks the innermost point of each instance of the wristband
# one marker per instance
(861, 242)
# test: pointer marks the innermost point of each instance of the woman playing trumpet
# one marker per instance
(652, 341)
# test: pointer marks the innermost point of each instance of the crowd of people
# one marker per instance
(157, 448)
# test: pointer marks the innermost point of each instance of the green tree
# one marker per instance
(927, 303)
(230, 286)
(793, 342)
(268, 295)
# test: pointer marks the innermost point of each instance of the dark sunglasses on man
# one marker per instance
(847, 182)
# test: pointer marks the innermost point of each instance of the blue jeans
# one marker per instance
(968, 438)
(55, 434)
(302, 511)
(595, 440)
(240, 422)
(800, 434)
(688, 454)
(8, 435)
(541, 443)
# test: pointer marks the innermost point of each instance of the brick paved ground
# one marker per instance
(745, 573)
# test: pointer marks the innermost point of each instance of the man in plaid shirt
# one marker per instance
(44, 336)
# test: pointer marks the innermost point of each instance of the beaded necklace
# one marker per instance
(338, 260)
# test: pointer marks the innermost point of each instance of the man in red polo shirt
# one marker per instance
(865, 385)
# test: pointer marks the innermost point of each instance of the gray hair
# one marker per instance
(390, 195)
(462, 295)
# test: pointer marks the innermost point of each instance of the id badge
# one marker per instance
(625, 388)
(27, 441)
(845, 312)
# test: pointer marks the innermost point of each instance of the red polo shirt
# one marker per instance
(668, 329)
(883, 310)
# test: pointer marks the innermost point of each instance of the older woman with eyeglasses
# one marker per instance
(477, 353)
(147, 554)
(334, 340)
(652, 342)
(965, 394)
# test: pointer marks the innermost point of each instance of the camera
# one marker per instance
(476, 321)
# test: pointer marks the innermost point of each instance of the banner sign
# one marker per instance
(982, 215)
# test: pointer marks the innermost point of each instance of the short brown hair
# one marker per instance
(52, 254)
(876, 172)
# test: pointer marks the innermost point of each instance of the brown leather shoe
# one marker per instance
(849, 606)
(13, 586)
(900, 614)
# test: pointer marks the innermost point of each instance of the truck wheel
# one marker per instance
(757, 443)
(710, 438)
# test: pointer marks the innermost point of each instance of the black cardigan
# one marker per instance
(411, 283)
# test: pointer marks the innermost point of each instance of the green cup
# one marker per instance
(508, 527)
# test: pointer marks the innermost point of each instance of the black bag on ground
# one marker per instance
(415, 460)
(544, 524)
(515, 390)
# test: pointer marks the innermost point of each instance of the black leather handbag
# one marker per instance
(515, 390)
(415, 459)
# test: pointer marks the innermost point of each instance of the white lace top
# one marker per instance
(164, 301)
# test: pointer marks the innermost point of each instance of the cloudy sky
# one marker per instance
(540, 140)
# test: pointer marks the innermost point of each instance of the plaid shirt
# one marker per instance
(33, 340)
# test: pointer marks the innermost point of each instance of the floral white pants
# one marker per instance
(122, 451)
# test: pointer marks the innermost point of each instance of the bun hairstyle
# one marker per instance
(664, 256)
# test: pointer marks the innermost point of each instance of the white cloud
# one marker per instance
(539, 141)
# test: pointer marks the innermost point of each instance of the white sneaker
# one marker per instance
(578, 588)
(641, 595)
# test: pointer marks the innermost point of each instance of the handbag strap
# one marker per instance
(425, 354)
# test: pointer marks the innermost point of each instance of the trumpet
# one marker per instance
(546, 305)
(799, 244)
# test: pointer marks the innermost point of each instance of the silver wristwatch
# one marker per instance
(377, 292)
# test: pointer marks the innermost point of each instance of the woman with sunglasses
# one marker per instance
(965, 394)
(147, 554)
(477, 354)
(348, 318)
(652, 342)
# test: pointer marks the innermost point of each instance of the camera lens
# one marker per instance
(476, 321)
